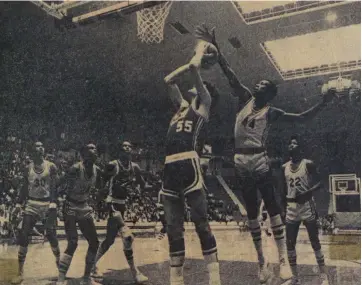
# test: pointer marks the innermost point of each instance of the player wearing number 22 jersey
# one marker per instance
(182, 180)
(300, 182)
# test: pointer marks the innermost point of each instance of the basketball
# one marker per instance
(210, 56)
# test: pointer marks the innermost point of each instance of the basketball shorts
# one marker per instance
(251, 164)
(40, 211)
(301, 212)
(182, 174)
(78, 210)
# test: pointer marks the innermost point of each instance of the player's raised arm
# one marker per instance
(304, 116)
(176, 96)
(240, 90)
(202, 93)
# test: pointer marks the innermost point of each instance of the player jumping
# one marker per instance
(81, 178)
(121, 173)
(182, 176)
(251, 160)
(39, 195)
(301, 181)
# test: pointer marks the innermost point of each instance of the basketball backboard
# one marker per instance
(79, 12)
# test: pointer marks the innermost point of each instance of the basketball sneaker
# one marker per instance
(139, 278)
(264, 273)
(285, 273)
(88, 281)
(294, 281)
(95, 272)
(324, 279)
(61, 281)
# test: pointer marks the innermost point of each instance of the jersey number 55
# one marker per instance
(185, 126)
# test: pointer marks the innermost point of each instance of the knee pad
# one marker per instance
(315, 244)
(290, 245)
(174, 233)
(127, 242)
(23, 239)
(52, 237)
(206, 237)
(177, 246)
(72, 246)
(94, 244)
(203, 228)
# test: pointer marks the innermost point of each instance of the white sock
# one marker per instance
(278, 232)
(214, 273)
(176, 275)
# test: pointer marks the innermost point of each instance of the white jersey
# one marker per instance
(39, 182)
(251, 127)
(298, 180)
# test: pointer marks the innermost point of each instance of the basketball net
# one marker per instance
(151, 22)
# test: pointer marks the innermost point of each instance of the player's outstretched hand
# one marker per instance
(203, 33)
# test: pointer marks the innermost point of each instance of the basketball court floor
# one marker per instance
(236, 253)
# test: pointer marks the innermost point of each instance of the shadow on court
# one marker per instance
(232, 273)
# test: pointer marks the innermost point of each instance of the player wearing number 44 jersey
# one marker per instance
(300, 182)
(252, 167)
(39, 195)
(182, 177)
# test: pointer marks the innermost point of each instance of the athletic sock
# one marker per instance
(255, 231)
(277, 226)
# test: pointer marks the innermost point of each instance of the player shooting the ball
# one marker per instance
(182, 177)
(252, 168)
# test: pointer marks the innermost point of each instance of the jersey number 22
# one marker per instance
(294, 182)
(185, 126)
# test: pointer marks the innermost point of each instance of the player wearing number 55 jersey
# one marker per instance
(39, 195)
(301, 181)
(182, 177)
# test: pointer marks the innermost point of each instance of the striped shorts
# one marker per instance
(182, 174)
(78, 210)
(301, 212)
(40, 210)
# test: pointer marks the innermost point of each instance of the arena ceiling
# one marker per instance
(107, 57)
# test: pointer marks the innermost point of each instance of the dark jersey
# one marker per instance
(122, 179)
(80, 185)
(183, 131)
